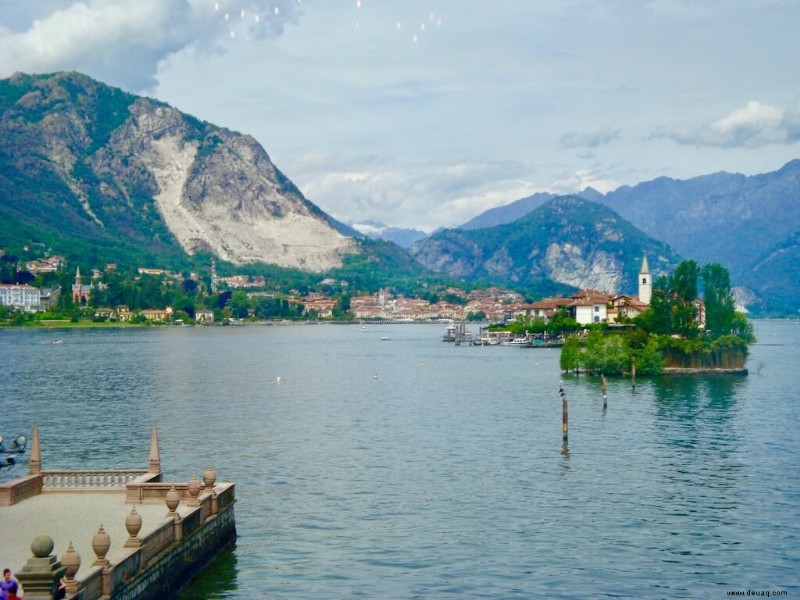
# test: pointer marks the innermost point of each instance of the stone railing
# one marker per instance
(157, 541)
(123, 570)
(18, 490)
(92, 585)
(69, 480)
(225, 498)
(166, 555)
(137, 492)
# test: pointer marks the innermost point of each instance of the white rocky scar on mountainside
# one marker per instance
(249, 235)
(568, 265)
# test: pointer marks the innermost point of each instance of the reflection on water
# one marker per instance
(690, 397)
(413, 468)
(216, 580)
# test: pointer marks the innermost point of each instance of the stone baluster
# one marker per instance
(133, 523)
(72, 561)
(41, 574)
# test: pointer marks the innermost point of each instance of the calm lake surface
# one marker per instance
(412, 468)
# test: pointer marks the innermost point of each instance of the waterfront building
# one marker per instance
(157, 314)
(25, 297)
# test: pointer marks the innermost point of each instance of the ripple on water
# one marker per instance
(444, 476)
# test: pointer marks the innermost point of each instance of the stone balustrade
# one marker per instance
(157, 541)
(72, 480)
(91, 586)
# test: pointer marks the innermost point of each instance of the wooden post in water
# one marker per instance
(603, 388)
(633, 373)
(564, 416)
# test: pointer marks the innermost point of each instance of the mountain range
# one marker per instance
(749, 224)
(100, 175)
(567, 239)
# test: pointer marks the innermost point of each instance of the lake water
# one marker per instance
(412, 468)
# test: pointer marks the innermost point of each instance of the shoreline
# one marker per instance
(703, 371)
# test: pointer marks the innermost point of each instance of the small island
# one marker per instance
(684, 322)
(678, 333)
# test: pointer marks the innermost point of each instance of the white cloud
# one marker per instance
(754, 126)
(580, 180)
(589, 139)
(501, 100)
(420, 195)
(122, 42)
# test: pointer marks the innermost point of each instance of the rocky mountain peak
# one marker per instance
(133, 159)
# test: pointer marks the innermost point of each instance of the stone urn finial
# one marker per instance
(193, 487)
(173, 499)
(72, 561)
(133, 523)
(101, 542)
(209, 477)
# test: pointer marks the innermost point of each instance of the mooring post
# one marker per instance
(564, 416)
(603, 388)
(633, 373)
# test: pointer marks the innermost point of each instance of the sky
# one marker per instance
(425, 113)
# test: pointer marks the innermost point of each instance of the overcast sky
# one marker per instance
(426, 113)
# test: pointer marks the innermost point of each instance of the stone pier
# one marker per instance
(117, 534)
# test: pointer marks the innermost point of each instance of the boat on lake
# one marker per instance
(457, 333)
(519, 342)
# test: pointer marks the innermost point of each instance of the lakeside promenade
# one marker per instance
(114, 533)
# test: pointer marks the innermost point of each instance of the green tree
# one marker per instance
(684, 294)
(718, 298)
(648, 359)
(607, 354)
(239, 304)
(672, 308)
(268, 308)
(570, 354)
(342, 306)
(742, 328)
(562, 323)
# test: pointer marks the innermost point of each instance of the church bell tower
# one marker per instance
(645, 282)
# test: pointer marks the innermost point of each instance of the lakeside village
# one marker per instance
(493, 305)
(665, 327)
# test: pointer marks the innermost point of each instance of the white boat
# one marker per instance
(516, 342)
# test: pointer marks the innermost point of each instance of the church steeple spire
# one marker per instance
(645, 282)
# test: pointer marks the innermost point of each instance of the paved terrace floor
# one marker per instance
(71, 516)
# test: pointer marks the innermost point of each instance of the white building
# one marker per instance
(25, 297)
